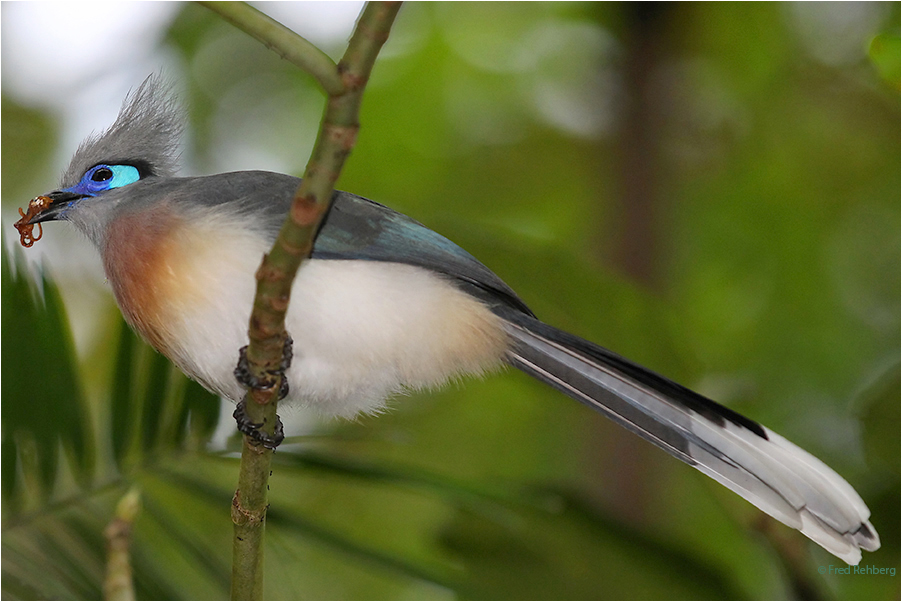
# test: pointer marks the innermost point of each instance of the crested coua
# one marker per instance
(384, 305)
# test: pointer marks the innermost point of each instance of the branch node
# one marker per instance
(243, 516)
(269, 273)
(306, 210)
(345, 136)
(292, 250)
(280, 303)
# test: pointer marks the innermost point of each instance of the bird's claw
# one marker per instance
(246, 377)
(252, 429)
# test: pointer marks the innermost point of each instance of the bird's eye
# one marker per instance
(101, 178)
(102, 175)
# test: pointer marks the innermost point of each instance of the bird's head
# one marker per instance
(141, 144)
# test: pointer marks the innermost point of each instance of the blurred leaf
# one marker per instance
(152, 403)
(513, 541)
(52, 542)
(44, 410)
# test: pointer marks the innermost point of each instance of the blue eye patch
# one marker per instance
(104, 177)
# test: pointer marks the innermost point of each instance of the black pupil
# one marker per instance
(102, 175)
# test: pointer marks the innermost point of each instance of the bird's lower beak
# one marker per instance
(42, 209)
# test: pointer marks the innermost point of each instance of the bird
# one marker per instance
(382, 306)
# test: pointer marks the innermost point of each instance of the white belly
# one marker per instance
(362, 330)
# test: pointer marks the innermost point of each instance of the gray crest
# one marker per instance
(145, 133)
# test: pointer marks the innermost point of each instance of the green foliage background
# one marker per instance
(732, 223)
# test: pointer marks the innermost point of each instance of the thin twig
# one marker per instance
(286, 43)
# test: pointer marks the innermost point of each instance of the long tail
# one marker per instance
(775, 475)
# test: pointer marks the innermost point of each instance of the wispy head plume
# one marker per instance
(145, 134)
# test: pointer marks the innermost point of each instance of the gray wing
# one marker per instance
(358, 228)
(355, 228)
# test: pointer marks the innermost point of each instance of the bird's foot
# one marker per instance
(247, 378)
(252, 429)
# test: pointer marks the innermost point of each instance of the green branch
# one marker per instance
(345, 84)
(286, 43)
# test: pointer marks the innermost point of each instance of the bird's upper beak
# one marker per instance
(42, 209)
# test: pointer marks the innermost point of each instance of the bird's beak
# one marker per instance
(42, 209)
(48, 207)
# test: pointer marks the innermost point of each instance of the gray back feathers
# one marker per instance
(147, 131)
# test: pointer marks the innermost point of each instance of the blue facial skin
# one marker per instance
(104, 177)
